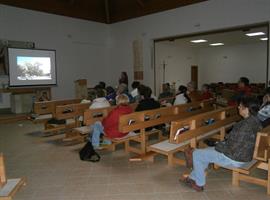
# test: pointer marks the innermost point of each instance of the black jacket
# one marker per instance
(147, 104)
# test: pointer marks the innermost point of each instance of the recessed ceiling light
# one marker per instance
(216, 44)
(255, 34)
(264, 38)
(198, 41)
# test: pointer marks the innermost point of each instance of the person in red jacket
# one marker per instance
(206, 94)
(111, 122)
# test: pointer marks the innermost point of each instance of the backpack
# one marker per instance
(87, 153)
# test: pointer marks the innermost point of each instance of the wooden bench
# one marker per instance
(70, 113)
(189, 131)
(8, 187)
(150, 118)
(261, 160)
(46, 110)
(93, 115)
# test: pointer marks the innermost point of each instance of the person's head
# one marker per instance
(102, 84)
(100, 93)
(147, 93)
(122, 88)
(166, 87)
(205, 87)
(124, 75)
(191, 86)
(110, 90)
(122, 99)
(182, 89)
(243, 82)
(135, 84)
(248, 106)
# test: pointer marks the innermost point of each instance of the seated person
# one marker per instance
(123, 89)
(166, 91)
(146, 102)
(111, 95)
(102, 85)
(264, 112)
(206, 94)
(181, 97)
(192, 92)
(242, 89)
(100, 101)
(135, 92)
(111, 122)
(109, 125)
(236, 150)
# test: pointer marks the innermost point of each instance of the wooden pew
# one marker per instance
(90, 116)
(46, 109)
(189, 131)
(261, 160)
(150, 118)
(70, 113)
(8, 187)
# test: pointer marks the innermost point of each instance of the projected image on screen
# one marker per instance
(34, 68)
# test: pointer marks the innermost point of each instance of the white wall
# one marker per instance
(228, 63)
(178, 60)
(82, 47)
(201, 17)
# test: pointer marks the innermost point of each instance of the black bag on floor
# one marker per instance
(87, 153)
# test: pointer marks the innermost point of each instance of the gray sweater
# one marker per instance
(240, 142)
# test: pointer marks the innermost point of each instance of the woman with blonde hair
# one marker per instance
(109, 125)
(111, 122)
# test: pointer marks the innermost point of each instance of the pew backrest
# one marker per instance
(70, 111)
(90, 116)
(149, 118)
(49, 107)
(195, 126)
(262, 145)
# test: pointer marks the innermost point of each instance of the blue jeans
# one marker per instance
(201, 160)
(97, 129)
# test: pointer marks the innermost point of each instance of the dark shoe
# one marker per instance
(188, 157)
(191, 183)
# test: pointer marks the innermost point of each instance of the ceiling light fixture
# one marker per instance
(264, 38)
(255, 34)
(216, 44)
(198, 41)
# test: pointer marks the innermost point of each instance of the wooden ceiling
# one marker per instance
(104, 11)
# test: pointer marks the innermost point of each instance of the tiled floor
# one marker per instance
(55, 172)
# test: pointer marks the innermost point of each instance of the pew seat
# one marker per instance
(8, 187)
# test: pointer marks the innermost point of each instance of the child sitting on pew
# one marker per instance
(235, 151)
(109, 125)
